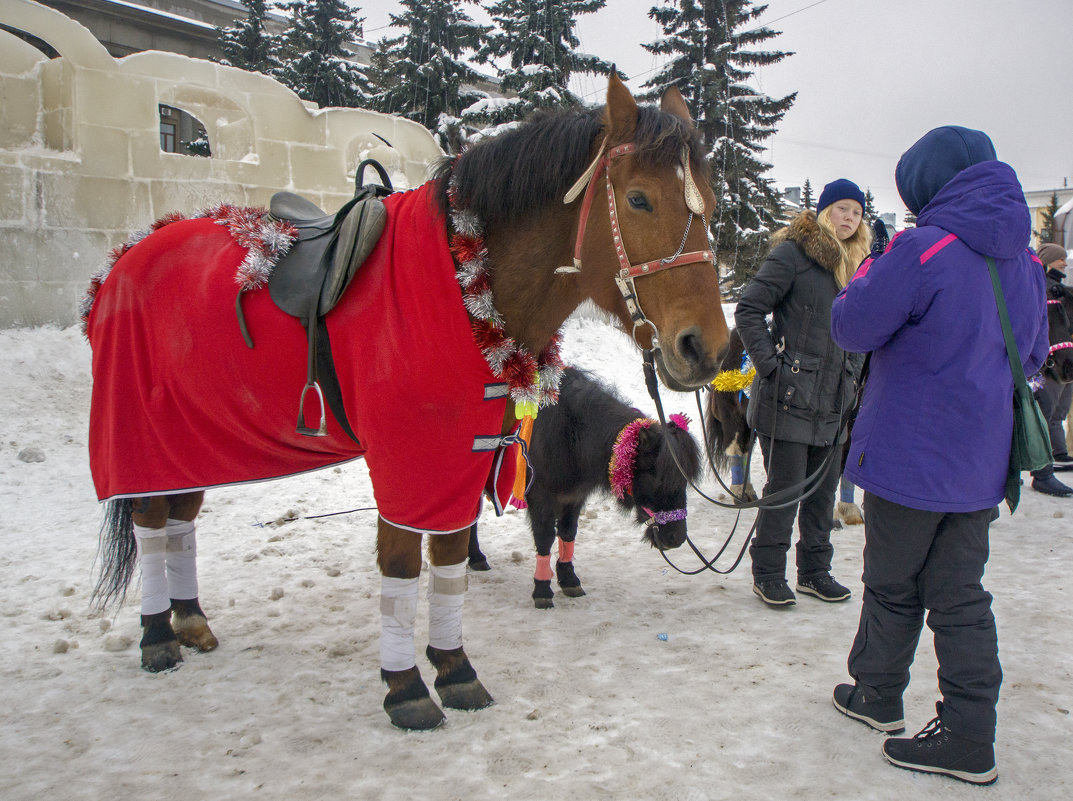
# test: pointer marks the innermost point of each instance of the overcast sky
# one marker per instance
(872, 76)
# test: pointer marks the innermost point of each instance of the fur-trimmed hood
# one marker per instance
(818, 244)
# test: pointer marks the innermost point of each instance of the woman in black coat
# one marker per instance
(804, 383)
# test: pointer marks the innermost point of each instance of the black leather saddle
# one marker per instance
(308, 282)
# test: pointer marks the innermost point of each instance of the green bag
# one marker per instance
(1031, 445)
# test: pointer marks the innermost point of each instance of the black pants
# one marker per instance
(916, 561)
(788, 463)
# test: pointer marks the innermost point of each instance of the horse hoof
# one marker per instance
(468, 696)
(420, 714)
(850, 513)
(572, 592)
(194, 632)
(543, 603)
(481, 565)
(161, 656)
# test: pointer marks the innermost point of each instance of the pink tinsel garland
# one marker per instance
(624, 453)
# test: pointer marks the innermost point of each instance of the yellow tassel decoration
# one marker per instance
(733, 380)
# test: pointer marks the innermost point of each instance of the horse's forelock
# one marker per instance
(661, 138)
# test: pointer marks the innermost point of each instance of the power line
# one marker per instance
(750, 30)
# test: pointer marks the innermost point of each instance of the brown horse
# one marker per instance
(500, 247)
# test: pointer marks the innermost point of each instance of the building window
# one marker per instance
(167, 137)
(182, 133)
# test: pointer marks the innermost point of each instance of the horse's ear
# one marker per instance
(672, 102)
(620, 114)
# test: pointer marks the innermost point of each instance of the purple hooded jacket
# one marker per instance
(935, 423)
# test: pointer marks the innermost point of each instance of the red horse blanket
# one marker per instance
(181, 403)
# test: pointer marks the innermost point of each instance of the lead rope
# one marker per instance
(774, 501)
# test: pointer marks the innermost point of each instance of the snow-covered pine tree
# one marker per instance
(712, 54)
(869, 207)
(247, 44)
(537, 41)
(315, 54)
(1046, 232)
(423, 75)
(806, 194)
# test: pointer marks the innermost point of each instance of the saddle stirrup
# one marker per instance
(312, 383)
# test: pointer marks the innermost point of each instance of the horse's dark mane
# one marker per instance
(508, 177)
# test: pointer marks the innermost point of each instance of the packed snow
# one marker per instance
(655, 685)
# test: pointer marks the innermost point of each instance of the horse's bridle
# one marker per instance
(628, 272)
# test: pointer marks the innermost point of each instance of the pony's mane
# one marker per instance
(508, 177)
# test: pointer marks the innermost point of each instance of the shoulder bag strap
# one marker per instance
(1016, 368)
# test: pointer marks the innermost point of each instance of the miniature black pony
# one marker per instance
(592, 440)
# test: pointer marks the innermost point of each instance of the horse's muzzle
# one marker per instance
(688, 367)
(666, 536)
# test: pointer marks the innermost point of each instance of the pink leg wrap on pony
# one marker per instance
(566, 551)
(543, 568)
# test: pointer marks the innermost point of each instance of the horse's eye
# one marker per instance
(638, 202)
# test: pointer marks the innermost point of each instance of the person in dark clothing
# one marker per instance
(1053, 397)
(931, 442)
(803, 386)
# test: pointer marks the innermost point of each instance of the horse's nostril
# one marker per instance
(690, 347)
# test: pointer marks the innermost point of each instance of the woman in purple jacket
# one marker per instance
(931, 443)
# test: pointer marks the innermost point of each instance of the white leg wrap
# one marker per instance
(398, 611)
(446, 591)
(182, 559)
(152, 555)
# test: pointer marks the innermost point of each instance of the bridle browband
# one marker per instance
(628, 272)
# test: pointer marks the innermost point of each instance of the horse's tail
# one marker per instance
(117, 552)
(715, 433)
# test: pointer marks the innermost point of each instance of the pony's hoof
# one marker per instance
(542, 594)
(481, 565)
(468, 696)
(194, 632)
(573, 592)
(850, 514)
(161, 656)
(420, 714)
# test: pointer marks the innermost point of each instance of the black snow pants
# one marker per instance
(917, 561)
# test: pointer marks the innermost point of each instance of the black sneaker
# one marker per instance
(775, 592)
(1051, 486)
(936, 750)
(824, 587)
(1063, 461)
(882, 714)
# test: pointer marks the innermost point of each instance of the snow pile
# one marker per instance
(655, 685)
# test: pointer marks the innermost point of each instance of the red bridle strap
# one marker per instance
(590, 193)
(636, 270)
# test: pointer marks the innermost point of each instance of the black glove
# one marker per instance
(882, 238)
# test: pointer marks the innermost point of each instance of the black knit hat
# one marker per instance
(840, 189)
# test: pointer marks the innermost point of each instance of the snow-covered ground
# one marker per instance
(592, 703)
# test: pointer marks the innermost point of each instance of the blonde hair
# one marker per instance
(853, 250)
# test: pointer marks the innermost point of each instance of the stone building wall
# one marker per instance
(81, 164)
